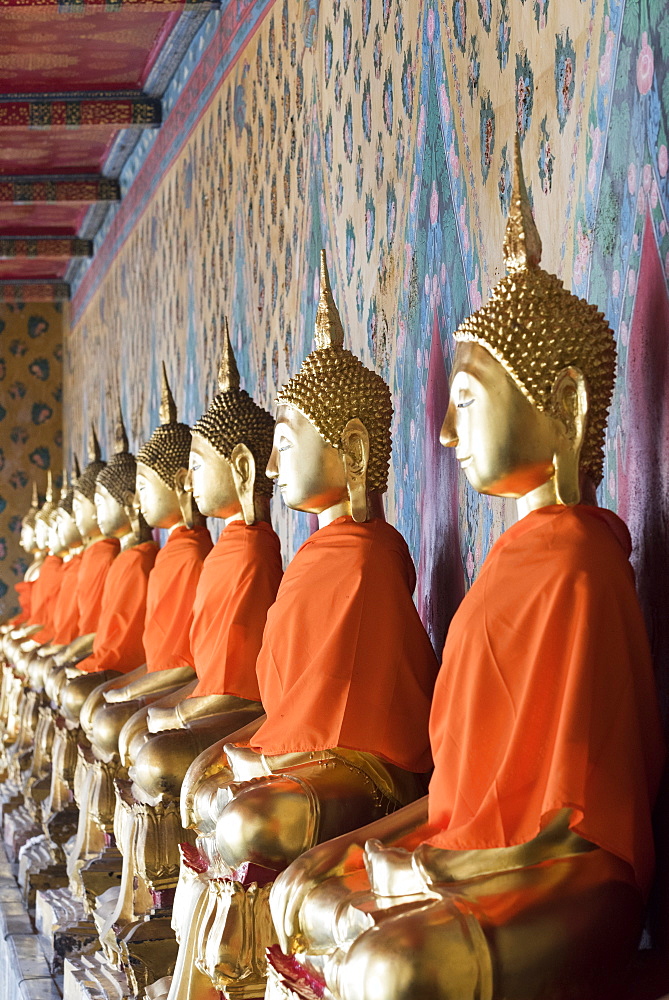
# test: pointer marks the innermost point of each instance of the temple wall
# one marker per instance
(31, 436)
(382, 130)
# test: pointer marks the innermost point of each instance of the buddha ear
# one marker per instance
(569, 406)
(184, 492)
(355, 455)
(243, 466)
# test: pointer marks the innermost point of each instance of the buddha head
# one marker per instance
(162, 466)
(332, 437)
(83, 502)
(44, 515)
(27, 540)
(532, 379)
(115, 487)
(231, 446)
(66, 525)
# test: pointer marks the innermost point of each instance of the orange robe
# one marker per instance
(24, 591)
(238, 585)
(546, 697)
(118, 638)
(345, 660)
(45, 596)
(95, 564)
(66, 614)
(169, 602)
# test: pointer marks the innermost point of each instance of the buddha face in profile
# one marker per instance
(27, 540)
(310, 472)
(211, 480)
(157, 501)
(506, 446)
(111, 516)
(41, 534)
(56, 547)
(85, 516)
(67, 530)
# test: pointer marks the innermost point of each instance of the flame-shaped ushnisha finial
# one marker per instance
(65, 487)
(34, 505)
(168, 408)
(228, 373)
(522, 243)
(77, 469)
(120, 436)
(329, 331)
(94, 453)
(49, 487)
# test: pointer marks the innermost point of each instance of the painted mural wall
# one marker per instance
(31, 435)
(382, 130)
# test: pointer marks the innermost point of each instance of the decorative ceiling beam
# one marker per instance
(58, 247)
(34, 291)
(80, 190)
(50, 111)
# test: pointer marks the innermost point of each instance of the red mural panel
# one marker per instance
(41, 220)
(31, 151)
(31, 270)
(42, 51)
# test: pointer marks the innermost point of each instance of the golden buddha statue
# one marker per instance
(64, 534)
(161, 465)
(239, 581)
(345, 674)
(523, 873)
(118, 636)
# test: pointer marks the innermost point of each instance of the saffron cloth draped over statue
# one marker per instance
(546, 697)
(169, 605)
(239, 583)
(354, 668)
(95, 563)
(118, 639)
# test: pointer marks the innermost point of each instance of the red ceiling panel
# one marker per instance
(27, 270)
(43, 50)
(41, 220)
(31, 151)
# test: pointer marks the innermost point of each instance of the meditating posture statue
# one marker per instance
(345, 674)
(238, 584)
(161, 464)
(24, 587)
(523, 873)
(117, 642)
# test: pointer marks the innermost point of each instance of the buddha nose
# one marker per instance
(447, 435)
(272, 470)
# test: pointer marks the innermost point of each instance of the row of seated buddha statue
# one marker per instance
(261, 783)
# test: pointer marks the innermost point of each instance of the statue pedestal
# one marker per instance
(88, 977)
(62, 926)
(19, 827)
(34, 857)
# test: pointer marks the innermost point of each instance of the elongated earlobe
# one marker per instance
(244, 475)
(184, 497)
(570, 407)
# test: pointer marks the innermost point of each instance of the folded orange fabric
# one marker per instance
(118, 638)
(24, 591)
(238, 585)
(95, 563)
(546, 696)
(45, 596)
(66, 614)
(345, 660)
(169, 603)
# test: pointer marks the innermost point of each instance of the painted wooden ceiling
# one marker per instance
(79, 82)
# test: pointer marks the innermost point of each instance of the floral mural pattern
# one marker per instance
(31, 437)
(383, 131)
